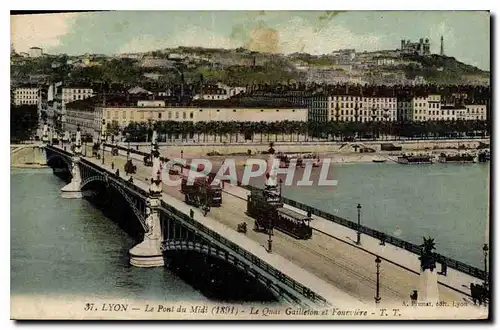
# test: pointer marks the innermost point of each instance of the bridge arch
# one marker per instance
(94, 178)
(64, 159)
(207, 249)
(109, 182)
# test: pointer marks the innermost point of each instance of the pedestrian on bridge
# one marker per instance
(112, 165)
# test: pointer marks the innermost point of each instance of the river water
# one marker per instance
(61, 246)
(66, 246)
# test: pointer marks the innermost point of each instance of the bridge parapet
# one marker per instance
(280, 283)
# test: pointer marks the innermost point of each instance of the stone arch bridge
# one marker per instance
(167, 228)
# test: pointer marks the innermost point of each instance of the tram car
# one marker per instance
(268, 211)
(202, 191)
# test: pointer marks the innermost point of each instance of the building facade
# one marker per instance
(353, 107)
(422, 47)
(83, 117)
(35, 52)
(126, 115)
(66, 94)
(26, 95)
(476, 112)
(320, 108)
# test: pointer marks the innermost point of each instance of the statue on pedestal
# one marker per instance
(428, 257)
(156, 171)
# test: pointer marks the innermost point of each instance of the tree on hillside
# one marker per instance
(113, 128)
(23, 122)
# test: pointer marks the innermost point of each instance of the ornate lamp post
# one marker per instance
(281, 182)
(270, 238)
(358, 233)
(128, 149)
(377, 296)
(485, 251)
(103, 138)
(102, 159)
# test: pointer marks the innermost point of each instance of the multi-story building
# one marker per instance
(354, 107)
(81, 114)
(420, 107)
(476, 112)
(123, 110)
(451, 112)
(416, 107)
(320, 107)
(26, 95)
(201, 111)
(434, 106)
(65, 94)
(378, 108)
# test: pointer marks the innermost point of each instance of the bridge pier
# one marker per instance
(73, 189)
(41, 157)
(148, 253)
(428, 286)
(43, 145)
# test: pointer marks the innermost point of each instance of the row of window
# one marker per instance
(124, 114)
(25, 97)
(363, 119)
(26, 91)
(477, 110)
(441, 118)
(87, 116)
(76, 97)
(366, 99)
(77, 91)
(365, 112)
(214, 97)
(78, 122)
(18, 102)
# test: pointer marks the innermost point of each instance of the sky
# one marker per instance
(466, 33)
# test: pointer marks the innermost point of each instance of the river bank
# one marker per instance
(337, 152)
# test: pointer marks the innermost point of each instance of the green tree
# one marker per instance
(113, 128)
(23, 122)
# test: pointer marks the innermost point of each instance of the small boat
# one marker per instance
(484, 156)
(379, 160)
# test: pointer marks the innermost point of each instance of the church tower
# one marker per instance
(442, 46)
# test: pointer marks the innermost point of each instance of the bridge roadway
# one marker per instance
(342, 265)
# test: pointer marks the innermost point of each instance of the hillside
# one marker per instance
(443, 69)
(243, 67)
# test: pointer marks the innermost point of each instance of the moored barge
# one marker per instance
(415, 159)
(457, 158)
